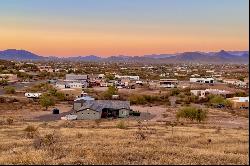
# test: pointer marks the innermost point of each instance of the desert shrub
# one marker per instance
(192, 114)
(137, 99)
(31, 131)
(2, 100)
(174, 92)
(48, 141)
(9, 90)
(79, 135)
(146, 99)
(109, 93)
(98, 122)
(181, 95)
(60, 96)
(217, 99)
(68, 124)
(9, 121)
(240, 94)
(121, 125)
(46, 100)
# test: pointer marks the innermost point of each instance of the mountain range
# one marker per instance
(185, 57)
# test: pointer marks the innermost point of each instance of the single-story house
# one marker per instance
(202, 80)
(240, 102)
(97, 109)
(203, 93)
(168, 83)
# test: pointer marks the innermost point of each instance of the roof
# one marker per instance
(84, 98)
(240, 99)
(98, 105)
(76, 77)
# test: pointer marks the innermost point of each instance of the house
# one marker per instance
(103, 84)
(235, 82)
(128, 77)
(204, 93)
(240, 102)
(46, 68)
(230, 81)
(71, 84)
(168, 83)
(202, 80)
(9, 77)
(199, 93)
(78, 103)
(97, 109)
(101, 76)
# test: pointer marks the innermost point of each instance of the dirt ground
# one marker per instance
(216, 117)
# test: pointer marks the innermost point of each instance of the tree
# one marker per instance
(111, 91)
(9, 90)
(192, 113)
(46, 101)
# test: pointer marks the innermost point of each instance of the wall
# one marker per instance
(88, 114)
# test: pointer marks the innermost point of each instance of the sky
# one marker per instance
(123, 27)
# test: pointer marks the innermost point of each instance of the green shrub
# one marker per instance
(46, 100)
(217, 99)
(60, 96)
(192, 114)
(109, 93)
(9, 90)
(174, 92)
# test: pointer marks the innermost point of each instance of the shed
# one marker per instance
(55, 111)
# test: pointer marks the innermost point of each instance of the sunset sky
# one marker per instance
(123, 27)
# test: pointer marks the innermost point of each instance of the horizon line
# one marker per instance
(68, 56)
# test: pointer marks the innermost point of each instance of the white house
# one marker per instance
(168, 83)
(199, 93)
(128, 77)
(203, 93)
(202, 80)
(72, 84)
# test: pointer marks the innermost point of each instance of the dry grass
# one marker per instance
(85, 142)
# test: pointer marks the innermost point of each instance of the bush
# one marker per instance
(174, 92)
(121, 125)
(48, 141)
(192, 114)
(9, 121)
(217, 99)
(31, 131)
(109, 93)
(9, 90)
(60, 96)
(45, 100)
(240, 94)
